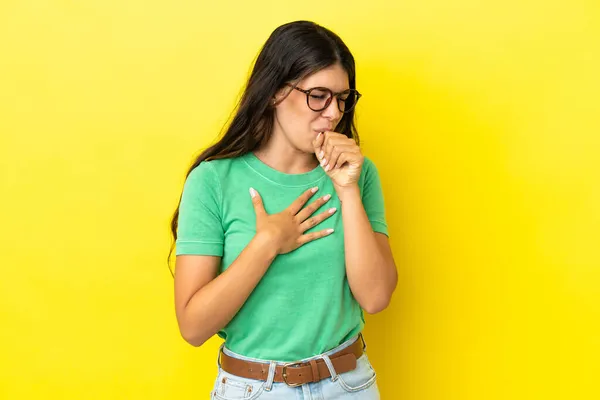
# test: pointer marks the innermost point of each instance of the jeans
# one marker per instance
(359, 383)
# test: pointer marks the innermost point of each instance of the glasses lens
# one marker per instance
(319, 98)
(348, 100)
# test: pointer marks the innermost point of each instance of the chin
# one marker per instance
(303, 142)
(309, 147)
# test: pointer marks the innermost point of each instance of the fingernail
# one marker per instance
(320, 133)
(314, 189)
(332, 210)
(252, 192)
(327, 197)
(329, 230)
(323, 162)
(321, 154)
(327, 167)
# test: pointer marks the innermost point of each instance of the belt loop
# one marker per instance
(271, 376)
(219, 355)
(364, 343)
(327, 360)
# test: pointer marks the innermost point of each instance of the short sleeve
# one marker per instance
(200, 231)
(372, 197)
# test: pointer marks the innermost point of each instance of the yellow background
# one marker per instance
(483, 118)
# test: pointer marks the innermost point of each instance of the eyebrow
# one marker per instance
(325, 87)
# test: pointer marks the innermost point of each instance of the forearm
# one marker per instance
(213, 306)
(371, 275)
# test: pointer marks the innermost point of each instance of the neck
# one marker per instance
(279, 154)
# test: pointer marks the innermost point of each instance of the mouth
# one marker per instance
(319, 130)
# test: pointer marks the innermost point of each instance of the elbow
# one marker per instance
(194, 338)
(381, 297)
(379, 303)
(192, 333)
(376, 306)
(193, 341)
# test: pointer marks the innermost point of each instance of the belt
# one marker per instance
(296, 373)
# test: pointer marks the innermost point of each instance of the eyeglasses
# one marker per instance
(319, 98)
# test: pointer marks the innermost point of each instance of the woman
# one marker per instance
(280, 233)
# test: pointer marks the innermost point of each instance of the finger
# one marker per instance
(301, 201)
(318, 142)
(336, 151)
(332, 158)
(309, 237)
(328, 137)
(310, 209)
(334, 155)
(332, 140)
(348, 155)
(341, 160)
(316, 220)
(257, 202)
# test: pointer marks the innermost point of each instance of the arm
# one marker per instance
(370, 266)
(205, 302)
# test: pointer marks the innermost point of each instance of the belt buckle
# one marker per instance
(284, 374)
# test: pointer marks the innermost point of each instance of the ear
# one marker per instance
(280, 96)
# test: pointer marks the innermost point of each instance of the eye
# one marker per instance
(344, 96)
(318, 94)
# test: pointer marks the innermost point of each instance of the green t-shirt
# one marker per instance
(303, 305)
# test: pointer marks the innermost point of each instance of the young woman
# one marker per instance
(280, 234)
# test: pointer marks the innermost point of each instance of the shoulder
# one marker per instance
(368, 163)
(202, 179)
(221, 167)
(201, 173)
(212, 169)
(369, 168)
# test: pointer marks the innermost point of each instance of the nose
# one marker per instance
(332, 112)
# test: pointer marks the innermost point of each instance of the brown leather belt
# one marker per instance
(295, 373)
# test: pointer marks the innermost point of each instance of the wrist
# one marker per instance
(266, 240)
(347, 192)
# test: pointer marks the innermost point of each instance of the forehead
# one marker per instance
(333, 77)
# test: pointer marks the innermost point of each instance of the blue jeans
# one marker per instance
(359, 383)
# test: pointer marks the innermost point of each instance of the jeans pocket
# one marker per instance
(232, 387)
(360, 378)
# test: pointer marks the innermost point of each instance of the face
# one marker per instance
(296, 122)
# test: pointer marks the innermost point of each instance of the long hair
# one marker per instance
(292, 52)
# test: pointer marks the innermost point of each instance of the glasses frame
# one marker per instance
(330, 99)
